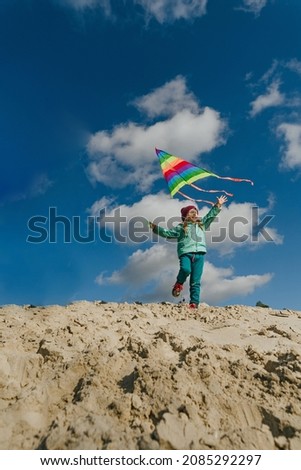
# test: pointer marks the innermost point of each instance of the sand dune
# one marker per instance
(95, 375)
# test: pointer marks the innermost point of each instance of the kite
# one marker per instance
(178, 173)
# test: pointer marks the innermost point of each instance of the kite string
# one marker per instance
(195, 200)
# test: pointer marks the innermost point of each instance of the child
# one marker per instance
(191, 247)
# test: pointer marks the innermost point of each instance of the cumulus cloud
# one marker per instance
(149, 273)
(150, 207)
(220, 284)
(157, 267)
(129, 223)
(143, 266)
(272, 97)
(291, 133)
(125, 155)
(168, 99)
(238, 225)
(243, 225)
(171, 10)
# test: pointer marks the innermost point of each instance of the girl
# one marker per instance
(191, 247)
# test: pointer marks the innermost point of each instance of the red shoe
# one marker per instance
(193, 306)
(177, 288)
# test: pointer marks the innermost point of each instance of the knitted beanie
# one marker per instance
(185, 210)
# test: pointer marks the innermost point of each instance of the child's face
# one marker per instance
(192, 215)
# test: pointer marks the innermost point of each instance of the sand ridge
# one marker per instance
(96, 375)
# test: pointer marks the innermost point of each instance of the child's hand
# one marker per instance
(221, 200)
(151, 225)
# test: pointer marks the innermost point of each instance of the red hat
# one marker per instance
(185, 210)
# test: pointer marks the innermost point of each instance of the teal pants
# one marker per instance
(192, 264)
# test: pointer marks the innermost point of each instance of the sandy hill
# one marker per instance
(96, 375)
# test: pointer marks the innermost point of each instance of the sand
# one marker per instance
(96, 375)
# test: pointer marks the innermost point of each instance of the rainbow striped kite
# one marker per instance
(178, 172)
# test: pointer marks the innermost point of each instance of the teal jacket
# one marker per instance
(194, 240)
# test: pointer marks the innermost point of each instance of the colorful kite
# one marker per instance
(178, 173)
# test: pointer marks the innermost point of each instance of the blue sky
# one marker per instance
(89, 88)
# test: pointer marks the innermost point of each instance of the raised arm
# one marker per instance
(220, 201)
(214, 211)
(164, 232)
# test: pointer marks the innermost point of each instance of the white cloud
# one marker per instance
(238, 226)
(163, 10)
(171, 10)
(235, 227)
(157, 268)
(292, 151)
(276, 74)
(168, 99)
(150, 273)
(102, 203)
(126, 155)
(144, 266)
(273, 97)
(253, 6)
(220, 284)
(150, 206)
(272, 73)
(287, 130)
(275, 71)
(124, 220)
(294, 65)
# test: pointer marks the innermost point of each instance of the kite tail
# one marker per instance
(237, 180)
(211, 190)
(196, 200)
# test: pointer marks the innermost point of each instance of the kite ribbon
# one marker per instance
(211, 190)
(237, 180)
